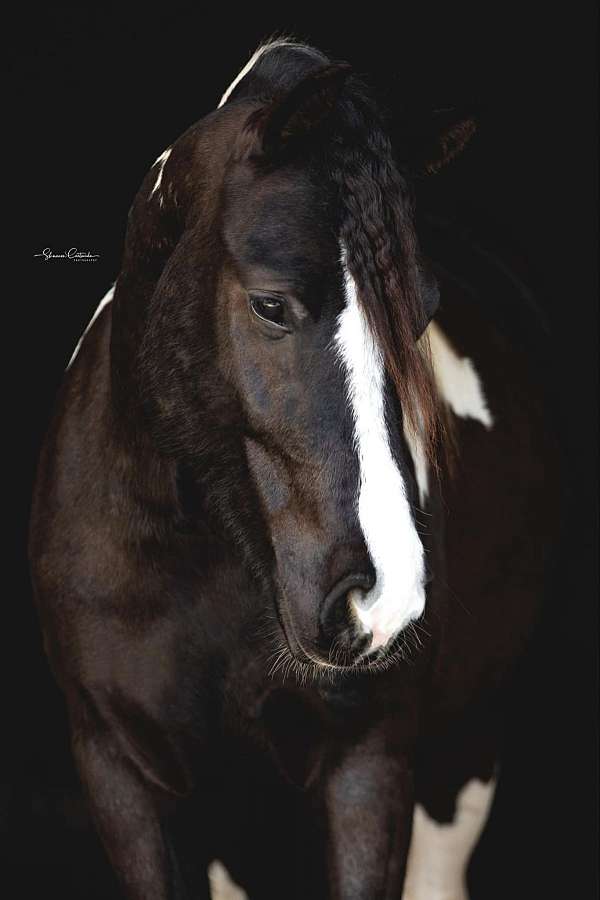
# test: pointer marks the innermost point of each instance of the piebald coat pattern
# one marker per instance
(279, 660)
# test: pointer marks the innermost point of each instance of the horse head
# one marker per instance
(266, 330)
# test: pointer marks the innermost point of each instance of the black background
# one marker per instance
(94, 96)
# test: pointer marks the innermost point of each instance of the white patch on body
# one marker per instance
(105, 300)
(264, 48)
(222, 885)
(439, 853)
(383, 509)
(459, 387)
(160, 162)
(457, 381)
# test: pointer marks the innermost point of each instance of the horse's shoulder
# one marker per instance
(70, 521)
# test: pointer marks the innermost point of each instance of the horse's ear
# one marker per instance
(427, 144)
(285, 123)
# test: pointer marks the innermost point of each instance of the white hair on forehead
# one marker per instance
(384, 512)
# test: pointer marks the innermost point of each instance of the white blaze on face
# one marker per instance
(383, 509)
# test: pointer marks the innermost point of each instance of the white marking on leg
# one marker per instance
(439, 854)
(105, 300)
(160, 162)
(383, 508)
(222, 885)
(459, 387)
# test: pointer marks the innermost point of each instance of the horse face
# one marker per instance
(321, 433)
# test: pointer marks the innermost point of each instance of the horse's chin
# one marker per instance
(304, 657)
(306, 661)
(299, 655)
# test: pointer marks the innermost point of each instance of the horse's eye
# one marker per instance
(269, 308)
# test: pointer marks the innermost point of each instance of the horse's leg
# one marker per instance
(125, 810)
(454, 792)
(222, 885)
(369, 797)
(440, 852)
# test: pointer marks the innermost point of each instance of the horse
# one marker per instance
(292, 520)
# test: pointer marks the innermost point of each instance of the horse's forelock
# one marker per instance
(377, 232)
(381, 253)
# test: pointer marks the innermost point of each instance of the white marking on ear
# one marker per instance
(160, 162)
(105, 300)
(459, 387)
(383, 508)
(222, 885)
(264, 48)
(243, 72)
(439, 854)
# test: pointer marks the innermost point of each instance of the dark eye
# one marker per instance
(269, 308)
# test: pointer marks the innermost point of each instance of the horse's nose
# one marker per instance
(340, 632)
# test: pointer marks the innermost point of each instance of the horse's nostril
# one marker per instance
(335, 609)
(361, 643)
(356, 596)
